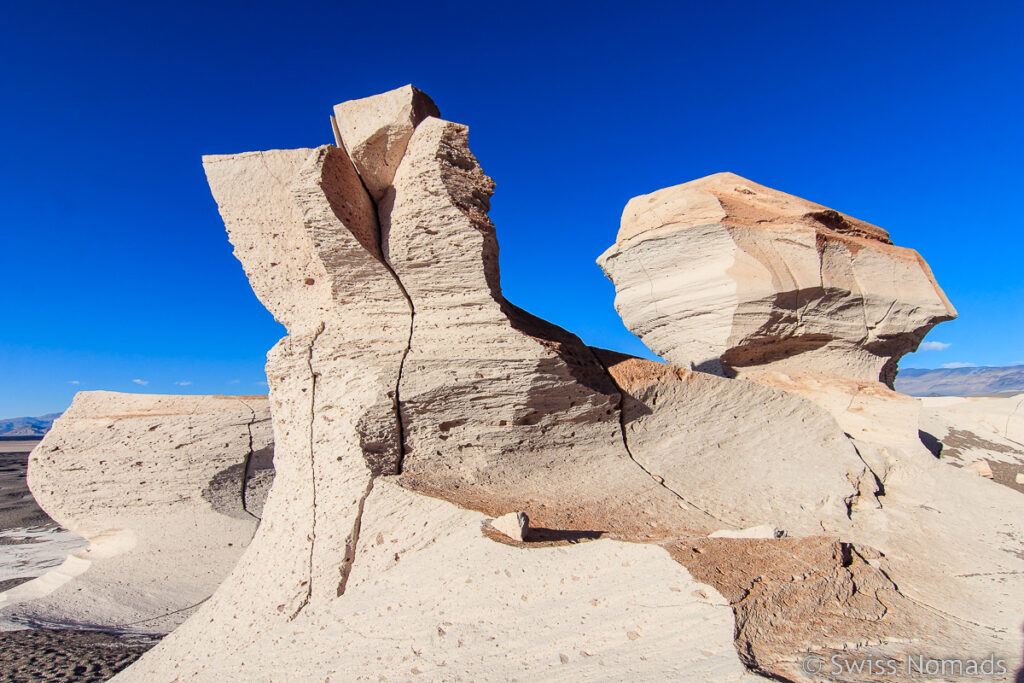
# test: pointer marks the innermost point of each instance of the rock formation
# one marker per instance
(703, 274)
(724, 275)
(677, 519)
(168, 492)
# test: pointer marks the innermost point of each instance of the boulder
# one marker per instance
(166, 490)
(727, 276)
(515, 525)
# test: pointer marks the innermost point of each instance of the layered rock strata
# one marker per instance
(167, 491)
(727, 276)
(405, 372)
(403, 361)
(688, 264)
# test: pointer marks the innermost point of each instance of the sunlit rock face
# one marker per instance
(412, 402)
(167, 490)
(727, 276)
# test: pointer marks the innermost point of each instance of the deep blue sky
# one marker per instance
(115, 266)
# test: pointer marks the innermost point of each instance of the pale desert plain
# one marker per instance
(441, 486)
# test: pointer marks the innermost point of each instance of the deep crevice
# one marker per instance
(353, 540)
(412, 314)
(247, 463)
(312, 469)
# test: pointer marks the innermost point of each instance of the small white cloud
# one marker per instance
(74, 381)
(934, 346)
(183, 383)
(262, 384)
(143, 382)
(952, 366)
(234, 381)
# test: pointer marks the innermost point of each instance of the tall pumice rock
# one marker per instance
(406, 372)
(307, 235)
(723, 274)
(402, 358)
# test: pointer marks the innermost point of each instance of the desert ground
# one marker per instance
(30, 544)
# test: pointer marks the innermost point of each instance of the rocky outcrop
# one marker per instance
(404, 361)
(411, 403)
(727, 276)
(501, 411)
(166, 490)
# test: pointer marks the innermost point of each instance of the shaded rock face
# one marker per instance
(167, 491)
(405, 372)
(727, 276)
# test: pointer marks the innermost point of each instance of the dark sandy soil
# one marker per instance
(51, 655)
(44, 655)
(17, 508)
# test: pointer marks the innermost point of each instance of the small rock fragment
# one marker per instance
(981, 467)
(514, 525)
(760, 531)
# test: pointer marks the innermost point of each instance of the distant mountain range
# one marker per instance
(27, 427)
(961, 381)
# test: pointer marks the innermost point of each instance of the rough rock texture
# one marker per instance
(746, 454)
(375, 131)
(940, 576)
(402, 358)
(949, 539)
(430, 598)
(986, 432)
(724, 275)
(405, 372)
(501, 411)
(306, 233)
(158, 486)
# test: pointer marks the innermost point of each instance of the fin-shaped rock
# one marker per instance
(747, 454)
(306, 233)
